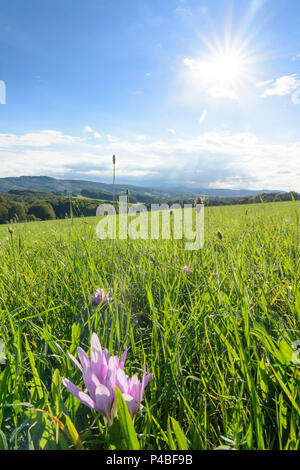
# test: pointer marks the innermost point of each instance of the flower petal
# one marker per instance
(123, 359)
(82, 396)
(122, 381)
(95, 343)
(85, 362)
(131, 403)
(91, 381)
(75, 361)
(104, 398)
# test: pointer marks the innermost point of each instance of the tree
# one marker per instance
(42, 210)
(16, 211)
(3, 213)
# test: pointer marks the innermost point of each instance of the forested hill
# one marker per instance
(64, 187)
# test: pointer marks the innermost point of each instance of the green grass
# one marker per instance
(219, 341)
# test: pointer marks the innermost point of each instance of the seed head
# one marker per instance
(11, 230)
(114, 159)
(220, 235)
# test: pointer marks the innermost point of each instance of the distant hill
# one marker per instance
(59, 186)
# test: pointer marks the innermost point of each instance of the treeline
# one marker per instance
(30, 205)
(230, 201)
(50, 208)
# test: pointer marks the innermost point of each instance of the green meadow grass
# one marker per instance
(219, 341)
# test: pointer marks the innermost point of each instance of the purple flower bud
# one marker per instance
(187, 270)
(100, 297)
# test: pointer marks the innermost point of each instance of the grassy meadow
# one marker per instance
(220, 341)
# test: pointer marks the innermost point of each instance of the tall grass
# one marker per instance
(219, 341)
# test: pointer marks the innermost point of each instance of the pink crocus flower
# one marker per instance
(100, 297)
(186, 270)
(101, 374)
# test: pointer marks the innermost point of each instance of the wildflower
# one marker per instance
(186, 270)
(101, 374)
(290, 293)
(11, 230)
(220, 235)
(100, 296)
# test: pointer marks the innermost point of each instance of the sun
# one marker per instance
(226, 68)
(222, 70)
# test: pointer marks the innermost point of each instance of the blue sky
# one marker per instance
(204, 93)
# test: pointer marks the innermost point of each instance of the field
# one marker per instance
(220, 341)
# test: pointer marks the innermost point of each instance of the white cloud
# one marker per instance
(172, 131)
(87, 129)
(90, 130)
(97, 135)
(265, 83)
(112, 139)
(221, 159)
(141, 137)
(282, 86)
(42, 138)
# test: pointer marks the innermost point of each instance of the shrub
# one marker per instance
(32, 218)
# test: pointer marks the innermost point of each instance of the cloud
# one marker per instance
(42, 138)
(215, 159)
(97, 135)
(172, 131)
(265, 83)
(87, 129)
(90, 130)
(282, 86)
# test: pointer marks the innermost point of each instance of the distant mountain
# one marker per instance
(48, 184)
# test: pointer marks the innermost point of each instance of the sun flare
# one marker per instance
(225, 68)
(221, 72)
